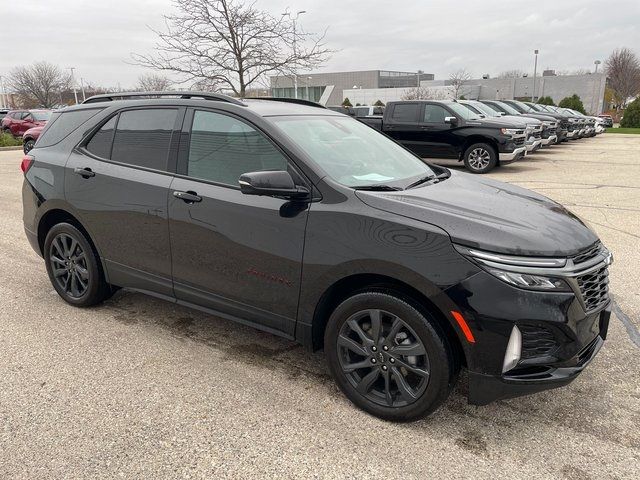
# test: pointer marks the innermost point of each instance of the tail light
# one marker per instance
(27, 162)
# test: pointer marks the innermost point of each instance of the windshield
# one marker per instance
(523, 106)
(351, 152)
(483, 109)
(42, 115)
(509, 109)
(463, 111)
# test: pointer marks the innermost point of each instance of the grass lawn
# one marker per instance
(624, 130)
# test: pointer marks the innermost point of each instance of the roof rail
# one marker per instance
(299, 101)
(219, 97)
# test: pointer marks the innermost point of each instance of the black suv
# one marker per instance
(309, 224)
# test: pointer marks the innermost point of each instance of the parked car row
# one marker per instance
(27, 124)
(483, 134)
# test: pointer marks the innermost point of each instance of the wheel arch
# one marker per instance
(470, 140)
(360, 282)
(56, 215)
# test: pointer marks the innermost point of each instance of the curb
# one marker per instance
(2, 149)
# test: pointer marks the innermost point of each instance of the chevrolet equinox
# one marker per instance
(306, 223)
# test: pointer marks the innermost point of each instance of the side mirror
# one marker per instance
(451, 120)
(271, 183)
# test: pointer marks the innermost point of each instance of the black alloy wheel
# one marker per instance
(69, 265)
(74, 267)
(383, 358)
(389, 356)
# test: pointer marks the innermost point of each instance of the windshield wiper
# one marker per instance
(380, 187)
(428, 178)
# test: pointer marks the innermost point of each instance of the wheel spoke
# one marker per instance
(350, 367)
(414, 349)
(355, 326)
(74, 286)
(57, 259)
(387, 388)
(367, 381)
(395, 328)
(417, 370)
(376, 324)
(405, 390)
(72, 248)
(350, 344)
(83, 273)
(58, 272)
(57, 244)
(82, 284)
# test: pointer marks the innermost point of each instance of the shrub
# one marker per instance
(379, 103)
(546, 101)
(573, 102)
(7, 140)
(631, 118)
(346, 102)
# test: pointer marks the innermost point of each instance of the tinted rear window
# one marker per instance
(142, 137)
(406, 113)
(62, 124)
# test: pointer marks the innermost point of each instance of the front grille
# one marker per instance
(550, 131)
(536, 341)
(519, 142)
(588, 254)
(594, 288)
(537, 134)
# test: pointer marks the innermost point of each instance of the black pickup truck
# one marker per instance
(446, 129)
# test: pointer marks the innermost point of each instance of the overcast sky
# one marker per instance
(488, 36)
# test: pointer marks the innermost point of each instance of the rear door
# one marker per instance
(238, 254)
(402, 123)
(119, 181)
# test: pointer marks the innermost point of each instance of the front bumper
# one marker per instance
(484, 389)
(572, 134)
(533, 146)
(507, 157)
(552, 140)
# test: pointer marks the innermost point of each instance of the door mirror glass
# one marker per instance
(271, 183)
(451, 120)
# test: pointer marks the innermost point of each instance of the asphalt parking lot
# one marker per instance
(140, 388)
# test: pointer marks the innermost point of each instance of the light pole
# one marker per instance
(294, 19)
(535, 71)
(82, 89)
(73, 84)
(308, 80)
(3, 102)
(593, 97)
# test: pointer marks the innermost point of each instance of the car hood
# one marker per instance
(491, 123)
(34, 131)
(490, 215)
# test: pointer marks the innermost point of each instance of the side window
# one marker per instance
(100, 143)
(222, 148)
(142, 137)
(62, 124)
(407, 112)
(26, 116)
(434, 114)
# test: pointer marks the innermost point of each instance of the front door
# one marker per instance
(439, 141)
(240, 255)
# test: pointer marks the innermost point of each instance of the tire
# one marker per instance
(27, 146)
(480, 158)
(374, 371)
(74, 268)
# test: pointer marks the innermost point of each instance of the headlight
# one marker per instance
(522, 272)
(510, 131)
(533, 282)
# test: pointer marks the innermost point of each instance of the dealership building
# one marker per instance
(366, 87)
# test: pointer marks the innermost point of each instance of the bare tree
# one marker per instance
(623, 74)
(39, 84)
(424, 93)
(152, 82)
(512, 74)
(231, 44)
(457, 80)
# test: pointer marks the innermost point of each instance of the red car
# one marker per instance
(17, 122)
(29, 138)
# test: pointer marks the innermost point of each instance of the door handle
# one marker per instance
(188, 197)
(84, 172)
